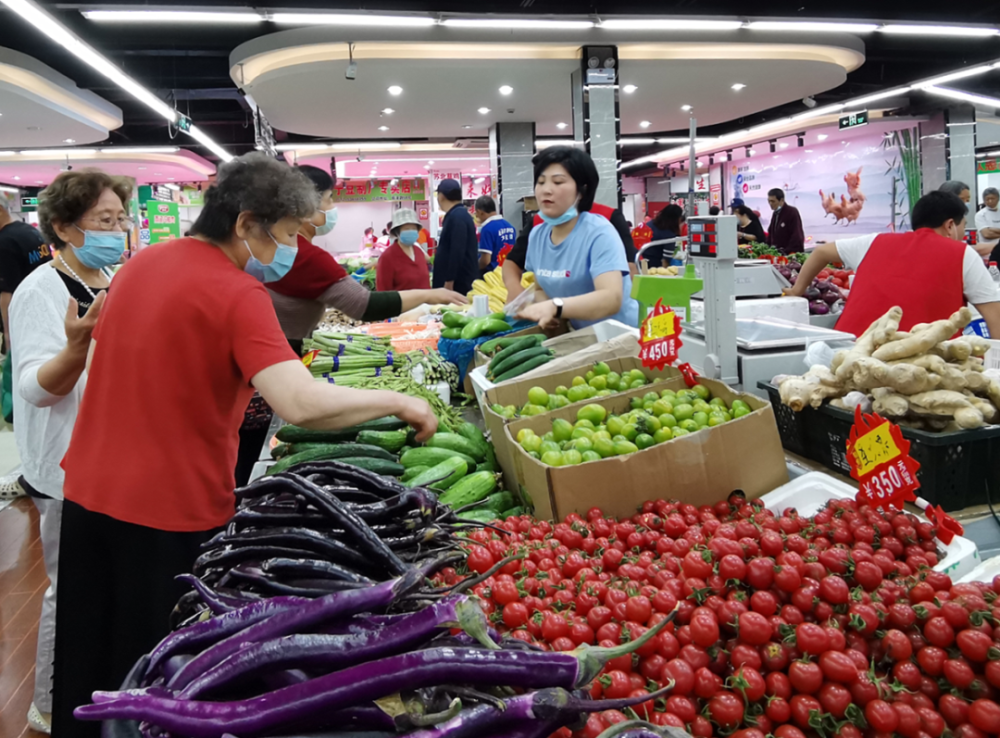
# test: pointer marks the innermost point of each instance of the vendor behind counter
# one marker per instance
(930, 272)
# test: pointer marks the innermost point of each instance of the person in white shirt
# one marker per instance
(988, 224)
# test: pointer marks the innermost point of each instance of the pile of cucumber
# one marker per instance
(374, 446)
(516, 356)
(459, 325)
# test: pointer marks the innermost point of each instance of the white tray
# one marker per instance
(810, 492)
(984, 572)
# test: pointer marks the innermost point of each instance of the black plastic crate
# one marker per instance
(955, 468)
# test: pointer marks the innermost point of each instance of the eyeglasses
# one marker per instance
(108, 223)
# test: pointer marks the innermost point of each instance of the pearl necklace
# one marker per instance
(76, 276)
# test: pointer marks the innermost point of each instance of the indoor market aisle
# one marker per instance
(22, 582)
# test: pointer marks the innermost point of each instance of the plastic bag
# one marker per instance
(515, 306)
(818, 353)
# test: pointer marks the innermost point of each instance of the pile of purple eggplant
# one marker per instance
(350, 664)
(321, 527)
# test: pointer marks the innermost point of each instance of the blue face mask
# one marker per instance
(100, 248)
(408, 238)
(566, 217)
(331, 222)
(284, 257)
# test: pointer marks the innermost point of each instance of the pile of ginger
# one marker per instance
(921, 378)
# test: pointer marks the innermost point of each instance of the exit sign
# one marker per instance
(854, 120)
(29, 203)
(183, 123)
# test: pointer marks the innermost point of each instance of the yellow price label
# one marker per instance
(661, 326)
(875, 447)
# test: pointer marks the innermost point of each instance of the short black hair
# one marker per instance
(669, 219)
(935, 208)
(776, 192)
(580, 167)
(714, 210)
(322, 180)
(486, 204)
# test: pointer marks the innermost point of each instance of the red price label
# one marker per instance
(309, 357)
(660, 337)
(880, 460)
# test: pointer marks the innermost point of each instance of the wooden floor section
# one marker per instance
(22, 583)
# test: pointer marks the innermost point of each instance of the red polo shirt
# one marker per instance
(397, 271)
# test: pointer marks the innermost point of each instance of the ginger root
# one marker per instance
(990, 413)
(891, 405)
(797, 392)
(922, 341)
(879, 333)
(905, 379)
(947, 403)
(956, 350)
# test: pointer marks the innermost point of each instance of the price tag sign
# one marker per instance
(660, 337)
(880, 460)
(310, 357)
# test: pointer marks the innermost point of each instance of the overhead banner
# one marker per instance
(384, 190)
(987, 167)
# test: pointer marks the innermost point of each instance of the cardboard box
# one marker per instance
(701, 468)
(515, 392)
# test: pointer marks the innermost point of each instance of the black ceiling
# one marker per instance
(190, 65)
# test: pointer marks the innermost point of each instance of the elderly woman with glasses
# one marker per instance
(54, 310)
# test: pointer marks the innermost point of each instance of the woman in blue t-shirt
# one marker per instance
(576, 256)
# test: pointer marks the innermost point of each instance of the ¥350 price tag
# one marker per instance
(880, 460)
(660, 337)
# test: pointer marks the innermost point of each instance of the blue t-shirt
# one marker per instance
(569, 269)
(495, 234)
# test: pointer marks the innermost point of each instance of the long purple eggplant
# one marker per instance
(642, 729)
(217, 602)
(196, 637)
(230, 555)
(309, 702)
(326, 653)
(299, 538)
(312, 568)
(338, 605)
(251, 575)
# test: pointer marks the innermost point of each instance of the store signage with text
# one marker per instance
(987, 167)
(679, 185)
(880, 460)
(379, 190)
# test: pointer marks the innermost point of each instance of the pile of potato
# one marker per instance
(670, 271)
(921, 378)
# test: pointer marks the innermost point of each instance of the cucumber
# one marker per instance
(378, 466)
(412, 472)
(388, 423)
(478, 516)
(519, 369)
(455, 442)
(327, 451)
(499, 501)
(295, 434)
(474, 435)
(521, 344)
(389, 440)
(427, 456)
(495, 326)
(484, 466)
(280, 450)
(491, 457)
(514, 512)
(519, 358)
(441, 476)
(473, 488)
(501, 343)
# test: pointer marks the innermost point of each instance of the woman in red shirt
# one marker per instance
(149, 470)
(403, 265)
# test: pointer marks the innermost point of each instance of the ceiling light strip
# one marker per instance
(345, 19)
(980, 100)
(519, 23)
(170, 16)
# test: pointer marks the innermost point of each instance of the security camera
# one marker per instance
(66, 168)
(361, 157)
(809, 102)
(352, 70)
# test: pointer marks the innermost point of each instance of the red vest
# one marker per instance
(920, 271)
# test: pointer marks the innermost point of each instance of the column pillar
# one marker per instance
(596, 122)
(962, 148)
(511, 147)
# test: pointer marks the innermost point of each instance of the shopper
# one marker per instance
(736, 203)
(988, 225)
(403, 266)
(22, 249)
(959, 188)
(456, 262)
(316, 282)
(665, 226)
(929, 272)
(750, 229)
(785, 233)
(576, 256)
(82, 214)
(186, 336)
(495, 234)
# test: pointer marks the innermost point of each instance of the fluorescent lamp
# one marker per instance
(629, 89)
(203, 138)
(637, 141)
(815, 26)
(169, 16)
(930, 30)
(173, 187)
(346, 19)
(302, 147)
(506, 90)
(880, 96)
(669, 24)
(980, 100)
(12, 190)
(738, 86)
(561, 126)
(521, 23)
(540, 143)
(366, 145)
(58, 152)
(394, 90)
(127, 150)
(7, 153)
(961, 74)
(644, 124)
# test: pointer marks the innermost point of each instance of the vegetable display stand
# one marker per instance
(955, 468)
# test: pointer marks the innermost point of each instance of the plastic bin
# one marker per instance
(955, 468)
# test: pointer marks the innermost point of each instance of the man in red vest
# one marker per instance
(929, 272)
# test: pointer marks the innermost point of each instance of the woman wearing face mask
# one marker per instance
(82, 215)
(750, 227)
(187, 335)
(317, 282)
(576, 256)
(403, 266)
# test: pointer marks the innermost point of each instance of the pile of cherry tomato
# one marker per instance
(830, 626)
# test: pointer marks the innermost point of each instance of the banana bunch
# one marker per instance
(493, 287)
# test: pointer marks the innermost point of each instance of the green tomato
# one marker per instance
(630, 431)
(716, 419)
(583, 423)
(548, 436)
(593, 412)
(529, 410)
(532, 443)
(577, 381)
(678, 432)
(562, 430)
(683, 412)
(718, 402)
(644, 441)
(557, 401)
(590, 375)
(664, 434)
(562, 391)
(578, 393)
(615, 425)
(604, 447)
(602, 368)
(614, 380)
(572, 457)
(662, 406)
(700, 418)
(739, 412)
(702, 391)
(625, 447)
(582, 433)
(689, 425)
(552, 458)
(538, 396)
(600, 382)
(637, 384)
(667, 420)
(591, 456)
(548, 446)
(583, 444)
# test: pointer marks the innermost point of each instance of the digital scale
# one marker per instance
(738, 329)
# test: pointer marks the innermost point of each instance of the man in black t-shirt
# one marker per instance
(22, 248)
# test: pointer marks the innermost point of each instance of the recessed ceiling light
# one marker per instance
(685, 108)
(430, 161)
(506, 90)
(16, 178)
(644, 124)
(395, 90)
(739, 86)
(39, 181)
(427, 166)
(483, 111)
(466, 127)
(561, 126)
(822, 137)
(629, 89)
(157, 174)
(387, 111)
(383, 128)
(783, 146)
(171, 178)
(809, 151)
(69, 140)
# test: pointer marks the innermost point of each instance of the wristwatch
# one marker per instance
(559, 306)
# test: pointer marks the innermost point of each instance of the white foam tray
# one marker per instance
(984, 572)
(811, 491)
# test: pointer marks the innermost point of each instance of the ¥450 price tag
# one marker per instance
(880, 460)
(660, 337)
